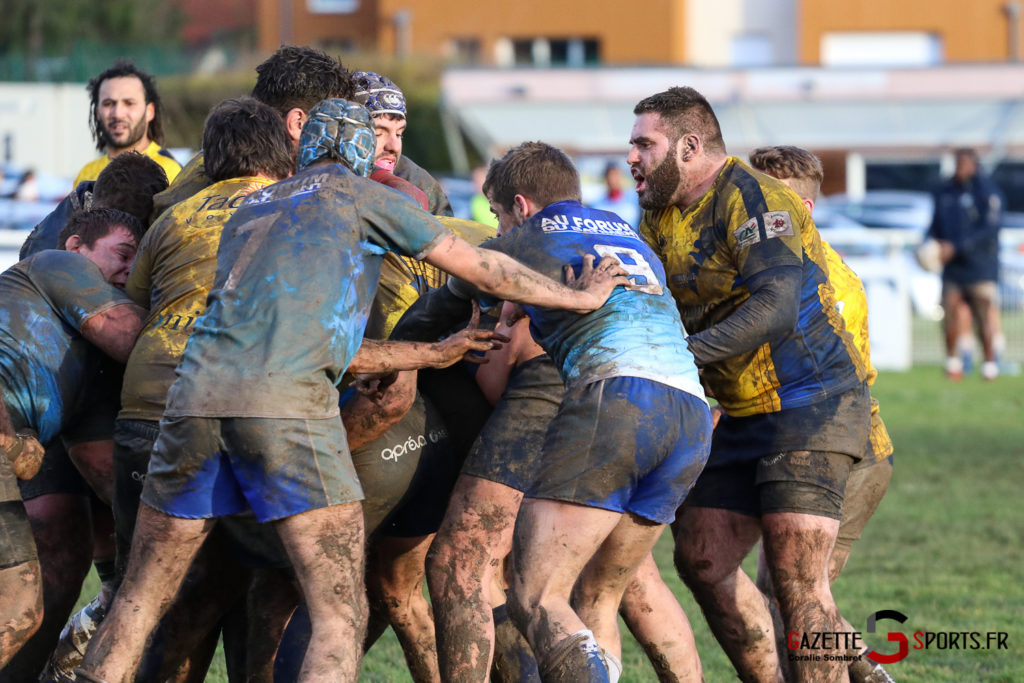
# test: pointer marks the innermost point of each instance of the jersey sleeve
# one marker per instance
(396, 223)
(74, 286)
(140, 279)
(767, 239)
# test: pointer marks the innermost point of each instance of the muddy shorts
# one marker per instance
(807, 482)
(625, 444)
(57, 474)
(133, 443)
(397, 472)
(16, 542)
(864, 491)
(795, 460)
(209, 467)
(408, 474)
(508, 449)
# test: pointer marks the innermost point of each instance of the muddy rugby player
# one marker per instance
(745, 264)
(582, 498)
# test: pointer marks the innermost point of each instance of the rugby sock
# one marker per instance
(865, 671)
(513, 659)
(575, 658)
(613, 664)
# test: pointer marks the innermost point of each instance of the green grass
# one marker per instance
(946, 547)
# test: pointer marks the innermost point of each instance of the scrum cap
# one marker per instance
(340, 130)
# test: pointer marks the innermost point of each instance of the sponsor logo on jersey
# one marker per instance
(747, 234)
(563, 223)
(777, 223)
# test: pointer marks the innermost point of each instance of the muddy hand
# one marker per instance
(596, 281)
(463, 344)
(374, 387)
(25, 454)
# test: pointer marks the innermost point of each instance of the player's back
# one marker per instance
(637, 333)
(44, 360)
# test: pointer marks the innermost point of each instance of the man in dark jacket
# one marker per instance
(968, 215)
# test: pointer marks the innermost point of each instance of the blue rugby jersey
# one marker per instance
(637, 333)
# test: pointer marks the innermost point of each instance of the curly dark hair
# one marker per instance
(123, 68)
(299, 76)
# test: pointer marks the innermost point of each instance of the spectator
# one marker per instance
(968, 215)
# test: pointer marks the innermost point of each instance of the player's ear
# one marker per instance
(293, 121)
(809, 203)
(689, 146)
(74, 243)
(521, 208)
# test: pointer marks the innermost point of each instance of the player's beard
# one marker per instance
(662, 184)
(135, 134)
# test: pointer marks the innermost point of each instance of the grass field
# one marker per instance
(946, 547)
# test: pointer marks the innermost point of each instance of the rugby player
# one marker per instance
(748, 272)
(58, 500)
(802, 172)
(387, 106)
(124, 115)
(54, 304)
(291, 80)
(296, 267)
(582, 500)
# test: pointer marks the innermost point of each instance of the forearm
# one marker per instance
(393, 356)
(770, 312)
(508, 279)
(95, 462)
(115, 330)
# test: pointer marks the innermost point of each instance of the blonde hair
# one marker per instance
(795, 164)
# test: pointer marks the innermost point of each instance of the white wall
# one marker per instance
(48, 124)
(757, 32)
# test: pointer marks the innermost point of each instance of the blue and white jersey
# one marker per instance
(637, 333)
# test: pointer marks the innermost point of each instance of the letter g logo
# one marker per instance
(896, 637)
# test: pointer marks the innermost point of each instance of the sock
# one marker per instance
(105, 569)
(575, 658)
(613, 664)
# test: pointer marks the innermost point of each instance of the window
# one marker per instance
(889, 48)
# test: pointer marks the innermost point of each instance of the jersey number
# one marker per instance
(634, 263)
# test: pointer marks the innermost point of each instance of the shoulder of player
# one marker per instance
(471, 231)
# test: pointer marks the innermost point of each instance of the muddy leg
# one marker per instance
(61, 527)
(398, 574)
(659, 624)
(461, 566)
(163, 548)
(553, 542)
(21, 586)
(710, 545)
(326, 547)
(798, 548)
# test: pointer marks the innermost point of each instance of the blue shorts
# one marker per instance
(625, 444)
(210, 467)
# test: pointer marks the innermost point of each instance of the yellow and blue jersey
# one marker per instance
(160, 155)
(745, 224)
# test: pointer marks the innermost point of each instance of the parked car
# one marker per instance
(894, 209)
